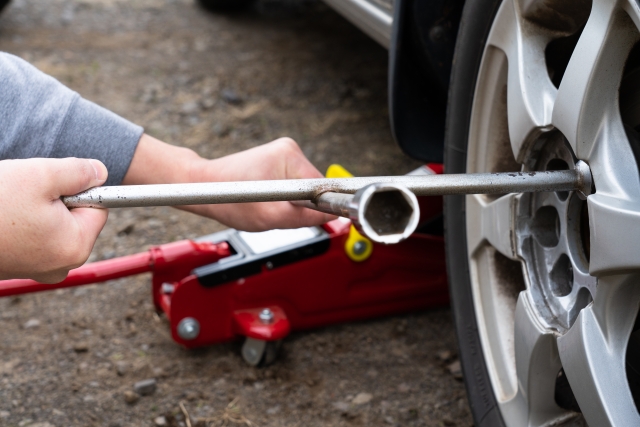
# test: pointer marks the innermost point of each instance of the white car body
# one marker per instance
(374, 17)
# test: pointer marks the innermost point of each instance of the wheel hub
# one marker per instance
(551, 239)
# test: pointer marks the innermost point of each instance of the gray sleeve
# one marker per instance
(40, 117)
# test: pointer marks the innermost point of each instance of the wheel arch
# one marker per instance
(420, 57)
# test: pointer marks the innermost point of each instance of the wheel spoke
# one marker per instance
(586, 108)
(491, 222)
(593, 353)
(537, 366)
(615, 233)
(530, 92)
(633, 9)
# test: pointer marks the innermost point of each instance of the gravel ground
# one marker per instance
(216, 84)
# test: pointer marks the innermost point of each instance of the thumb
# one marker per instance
(71, 175)
(90, 223)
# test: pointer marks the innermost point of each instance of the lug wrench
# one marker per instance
(383, 208)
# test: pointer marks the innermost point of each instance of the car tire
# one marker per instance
(474, 29)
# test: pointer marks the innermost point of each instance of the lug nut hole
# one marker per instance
(562, 277)
(546, 226)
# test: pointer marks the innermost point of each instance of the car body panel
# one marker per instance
(374, 17)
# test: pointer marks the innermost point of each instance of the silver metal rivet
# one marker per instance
(266, 316)
(359, 247)
(188, 328)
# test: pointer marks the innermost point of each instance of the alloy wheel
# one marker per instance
(554, 278)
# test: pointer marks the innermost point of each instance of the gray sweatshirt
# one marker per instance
(40, 117)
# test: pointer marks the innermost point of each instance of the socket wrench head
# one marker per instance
(385, 213)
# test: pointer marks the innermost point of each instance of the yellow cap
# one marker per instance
(337, 171)
(357, 247)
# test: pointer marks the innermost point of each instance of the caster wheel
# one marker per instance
(225, 5)
(259, 352)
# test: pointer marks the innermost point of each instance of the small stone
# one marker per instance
(131, 397)
(127, 230)
(158, 372)
(122, 368)
(455, 369)
(445, 355)
(160, 421)
(190, 108)
(220, 129)
(208, 103)
(362, 398)
(341, 406)
(250, 376)
(58, 413)
(145, 387)
(44, 424)
(31, 323)
(81, 347)
(150, 93)
(404, 388)
(89, 398)
(191, 395)
(230, 96)
(5, 414)
(94, 384)
(273, 410)
(155, 223)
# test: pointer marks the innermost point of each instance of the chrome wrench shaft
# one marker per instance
(578, 179)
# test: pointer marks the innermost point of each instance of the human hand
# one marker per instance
(40, 238)
(279, 159)
(156, 162)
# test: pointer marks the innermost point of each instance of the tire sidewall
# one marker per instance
(475, 26)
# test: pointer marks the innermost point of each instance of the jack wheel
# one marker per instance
(259, 352)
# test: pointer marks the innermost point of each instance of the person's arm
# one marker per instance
(40, 117)
(39, 237)
(156, 162)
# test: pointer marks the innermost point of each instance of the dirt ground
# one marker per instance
(217, 84)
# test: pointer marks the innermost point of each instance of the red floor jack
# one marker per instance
(261, 286)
